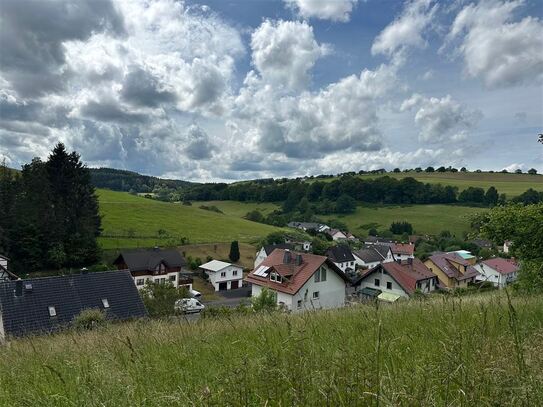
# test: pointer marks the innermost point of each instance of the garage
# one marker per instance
(234, 284)
(223, 286)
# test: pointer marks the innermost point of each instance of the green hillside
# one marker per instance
(471, 351)
(510, 184)
(240, 209)
(426, 219)
(132, 221)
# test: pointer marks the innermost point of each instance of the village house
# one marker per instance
(370, 240)
(338, 235)
(403, 251)
(373, 255)
(48, 304)
(497, 271)
(483, 244)
(393, 280)
(223, 276)
(301, 281)
(342, 257)
(5, 274)
(305, 226)
(454, 269)
(299, 245)
(266, 250)
(507, 246)
(156, 266)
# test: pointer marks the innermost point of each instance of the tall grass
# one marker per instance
(470, 351)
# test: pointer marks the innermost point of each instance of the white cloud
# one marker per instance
(441, 119)
(407, 30)
(336, 10)
(497, 49)
(285, 51)
(515, 166)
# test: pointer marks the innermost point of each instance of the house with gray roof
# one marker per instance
(370, 256)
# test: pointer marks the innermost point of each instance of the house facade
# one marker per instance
(403, 251)
(393, 280)
(266, 250)
(370, 240)
(300, 281)
(305, 226)
(373, 255)
(5, 274)
(48, 304)
(454, 269)
(497, 271)
(342, 257)
(154, 265)
(223, 276)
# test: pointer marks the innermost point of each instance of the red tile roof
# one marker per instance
(401, 248)
(502, 266)
(406, 275)
(295, 276)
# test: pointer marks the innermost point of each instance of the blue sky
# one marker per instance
(227, 90)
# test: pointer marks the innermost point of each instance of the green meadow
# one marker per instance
(131, 221)
(467, 351)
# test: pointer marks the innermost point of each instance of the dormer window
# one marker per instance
(52, 311)
(275, 277)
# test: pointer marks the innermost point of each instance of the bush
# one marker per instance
(255, 216)
(89, 319)
(265, 301)
(159, 299)
(211, 208)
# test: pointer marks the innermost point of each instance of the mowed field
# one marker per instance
(426, 219)
(132, 221)
(510, 184)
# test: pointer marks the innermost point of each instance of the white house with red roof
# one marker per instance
(498, 271)
(393, 280)
(403, 251)
(301, 281)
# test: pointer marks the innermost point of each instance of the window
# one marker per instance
(223, 274)
(52, 311)
(299, 304)
(389, 285)
(234, 272)
(173, 278)
(105, 302)
(140, 281)
(275, 277)
(320, 275)
(316, 295)
(377, 282)
(352, 263)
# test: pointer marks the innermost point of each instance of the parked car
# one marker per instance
(189, 305)
(195, 294)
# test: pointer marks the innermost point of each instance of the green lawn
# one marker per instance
(468, 351)
(239, 209)
(510, 184)
(125, 215)
(426, 219)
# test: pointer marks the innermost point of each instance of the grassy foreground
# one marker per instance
(132, 221)
(470, 351)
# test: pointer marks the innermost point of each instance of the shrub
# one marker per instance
(89, 319)
(159, 299)
(265, 301)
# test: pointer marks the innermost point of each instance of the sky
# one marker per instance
(222, 90)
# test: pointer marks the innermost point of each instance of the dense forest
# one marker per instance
(49, 214)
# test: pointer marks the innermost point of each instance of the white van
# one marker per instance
(188, 305)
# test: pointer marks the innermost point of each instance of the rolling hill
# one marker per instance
(132, 221)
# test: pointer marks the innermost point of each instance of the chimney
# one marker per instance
(18, 288)
(298, 260)
(287, 256)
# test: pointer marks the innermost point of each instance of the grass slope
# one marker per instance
(240, 209)
(125, 215)
(473, 351)
(426, 219)
(510, 184)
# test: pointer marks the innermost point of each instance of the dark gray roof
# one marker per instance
(271, 247)
(148, 259)
(340, 254)
(29, 312)
(379, 240)
(373, 253)
(482, 243)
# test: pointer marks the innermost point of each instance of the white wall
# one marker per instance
(347, 264)
(492, 276)
(157, 279)
(215, 276)
(384, 278)
(4, 263)
(260, 257)
(403, 256)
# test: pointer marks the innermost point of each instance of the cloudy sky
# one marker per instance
(226, 89)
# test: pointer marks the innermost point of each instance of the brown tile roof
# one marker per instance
(402, 248)
(502, 266)
(406, 275)
(444, 262)
(295, 276)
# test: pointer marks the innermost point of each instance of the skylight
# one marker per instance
(52, 311)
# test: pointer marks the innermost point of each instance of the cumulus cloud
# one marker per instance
(441, 119)
(496, 48)
(198, 145)
(515, 166)
(337, 10)
(406, 31)
(284, 52)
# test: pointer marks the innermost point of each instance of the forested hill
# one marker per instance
(128, 181)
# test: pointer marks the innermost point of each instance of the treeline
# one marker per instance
(383, 190)
(49, 214)
(128, 181)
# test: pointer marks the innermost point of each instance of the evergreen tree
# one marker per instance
(491, 196)
(234, 251)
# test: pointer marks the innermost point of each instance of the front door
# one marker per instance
(234, 284)
(223, 286)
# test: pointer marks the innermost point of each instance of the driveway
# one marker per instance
(230, 298)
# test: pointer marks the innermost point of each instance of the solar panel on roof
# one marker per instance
(262, 271)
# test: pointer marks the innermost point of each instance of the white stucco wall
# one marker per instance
(260, 257)
(489, 274)
(215, 277)
(157, 279)
(384, 278)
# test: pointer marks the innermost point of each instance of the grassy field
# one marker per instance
(240, 209)
(426, 219)
(510, 184)
(473, 351)
(132, 221)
